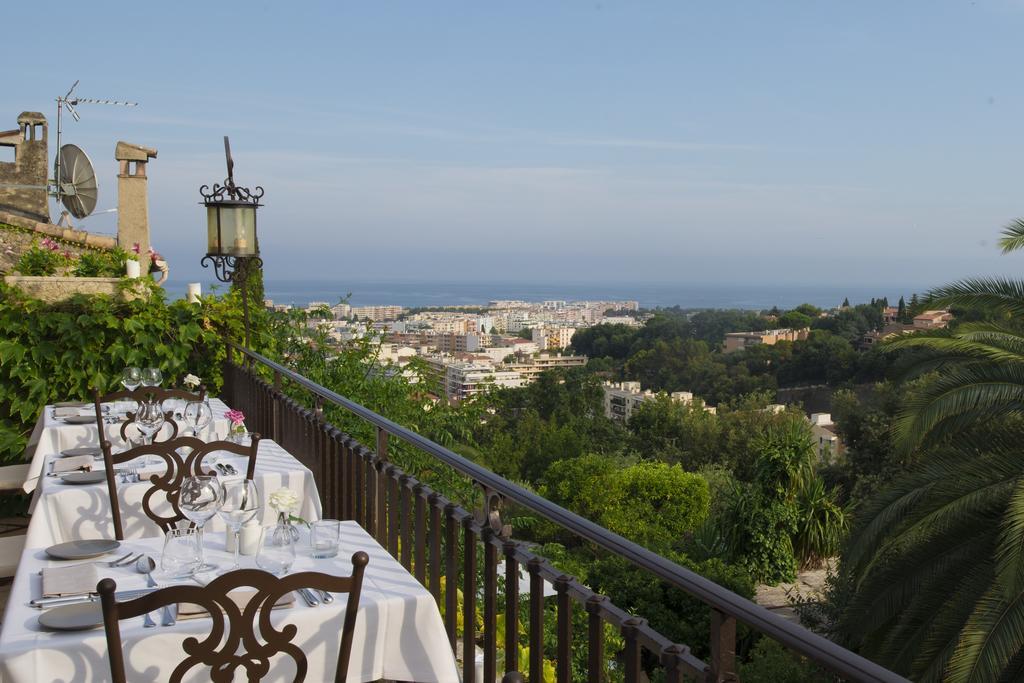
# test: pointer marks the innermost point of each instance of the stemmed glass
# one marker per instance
(149, 419)
(241, 503)
(152, 377)
(198, 414)
(199, 499)
(131, 378)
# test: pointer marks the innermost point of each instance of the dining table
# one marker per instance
(52, 434)
(63, 511)
(399, 633)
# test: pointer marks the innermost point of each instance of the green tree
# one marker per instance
(795, 320)
(937, 561)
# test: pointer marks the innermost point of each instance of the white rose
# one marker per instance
(284, 500)
(192, 381)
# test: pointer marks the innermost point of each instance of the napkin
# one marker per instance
(72, 464)
(77, 579)
(70, 412)
(188, 610)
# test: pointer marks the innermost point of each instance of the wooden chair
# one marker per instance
(178, 468)
(235, 635)
(139, 395)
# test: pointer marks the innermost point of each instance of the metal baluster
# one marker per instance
(595, 639)
(393, 519)
(435, 546)
(632, 649)
(420, 559)
(359, 482)
(563, 630)
(405, 521)
(469, 601)
(490, 605)
(723, 647)
(511, 607)
(451, 572)
(536, 620)
(670, 659)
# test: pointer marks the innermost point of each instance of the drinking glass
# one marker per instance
(241, 503)
(182, 554)
(276, 551)
(324, 538)
(198, 414)
(199, 498)
(152, 377)
(131, 378)
(149, 419)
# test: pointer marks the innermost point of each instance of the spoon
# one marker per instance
(146, 565)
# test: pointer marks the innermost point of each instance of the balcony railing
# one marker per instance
(436, 538)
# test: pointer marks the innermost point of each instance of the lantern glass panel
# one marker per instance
(231, 229)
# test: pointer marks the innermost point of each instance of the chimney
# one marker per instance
(132, 198)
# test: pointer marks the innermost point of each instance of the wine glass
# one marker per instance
(241, 503)
(199, 499)
(152, 377)
(276, 552)
(198, 414)
(131, 378)
(149, 419)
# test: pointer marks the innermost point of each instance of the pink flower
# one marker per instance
(136, 247)
(67, 254)
(237, 417)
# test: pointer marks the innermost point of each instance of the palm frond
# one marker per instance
(991, 638)
(1013, 236)
(996, 293)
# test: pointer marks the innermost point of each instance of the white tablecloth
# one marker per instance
(51, 435)
(66, 512)
(399, 631)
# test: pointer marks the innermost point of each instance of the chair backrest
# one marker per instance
(142, 394)
(178, 468)
(239, 636)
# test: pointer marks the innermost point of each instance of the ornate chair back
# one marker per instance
(144, 394)
(169, 482)
(239, 636)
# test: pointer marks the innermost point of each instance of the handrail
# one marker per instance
(793, 636)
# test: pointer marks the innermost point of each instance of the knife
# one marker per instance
(121, 596)
(325, 596)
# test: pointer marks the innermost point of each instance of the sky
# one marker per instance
(733, 142)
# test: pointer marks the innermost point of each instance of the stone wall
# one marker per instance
(30, 168)
(52, 289)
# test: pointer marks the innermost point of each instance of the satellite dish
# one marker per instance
(77, 180)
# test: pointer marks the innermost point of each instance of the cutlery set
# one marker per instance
(314, 596)
(225, 468)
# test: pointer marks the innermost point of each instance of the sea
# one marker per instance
(649, 295)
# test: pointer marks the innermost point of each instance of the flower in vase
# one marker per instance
(283, 500)
(192, 381)
(237, 419)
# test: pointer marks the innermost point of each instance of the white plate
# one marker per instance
(94, 451)
(78, 617)
(82, 550)
(84, 477)
(79, 419)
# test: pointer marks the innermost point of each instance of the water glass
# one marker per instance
(276, 552)
(199, 499)
(131, 378)
(182, 553)
(324, 538)
(198, 415)
(152, 377)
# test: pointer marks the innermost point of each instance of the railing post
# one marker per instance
(723, 647)
(275, 409)
(595, 639)
(563, 631)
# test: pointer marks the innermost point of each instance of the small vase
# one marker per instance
(285, 530)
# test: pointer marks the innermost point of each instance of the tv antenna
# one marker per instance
(76, 178)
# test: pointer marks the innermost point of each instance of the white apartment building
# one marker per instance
(621, 399)
(377, 313)
(463, 380)
(826, 437)
(547, 337)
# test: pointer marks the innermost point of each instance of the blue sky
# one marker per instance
(713, 142)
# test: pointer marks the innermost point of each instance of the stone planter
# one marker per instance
(53, 289)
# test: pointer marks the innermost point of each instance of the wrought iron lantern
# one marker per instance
(232, 244)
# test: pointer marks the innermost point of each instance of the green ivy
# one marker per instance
(57, 352)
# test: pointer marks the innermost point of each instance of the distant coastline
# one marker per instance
(650, 295)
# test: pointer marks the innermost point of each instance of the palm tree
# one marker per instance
(936, 564)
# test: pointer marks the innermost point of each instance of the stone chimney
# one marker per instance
(132, 198)
(28, 168)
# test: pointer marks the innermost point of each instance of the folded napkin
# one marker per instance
(72, 464)
(71, 412)
(77, 579)
(188, 610)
